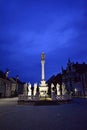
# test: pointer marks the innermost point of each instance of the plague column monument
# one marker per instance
(43, 86)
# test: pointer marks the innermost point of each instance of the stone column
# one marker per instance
(43, 88)
(43, 62)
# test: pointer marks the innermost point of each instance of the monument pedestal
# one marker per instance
(43, 89)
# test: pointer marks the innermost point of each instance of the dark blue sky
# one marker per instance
(29, 27)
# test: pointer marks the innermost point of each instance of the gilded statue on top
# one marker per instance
(43, 56)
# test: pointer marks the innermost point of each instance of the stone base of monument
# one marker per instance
(43, 89)
(36, 100)
(63, 97)
(43, 102)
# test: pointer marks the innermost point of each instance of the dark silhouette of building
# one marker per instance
(10, 87)
(75, 78)
(55, 79)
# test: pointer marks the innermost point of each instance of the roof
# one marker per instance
(2, 74)
(18, 81)
(55, 79)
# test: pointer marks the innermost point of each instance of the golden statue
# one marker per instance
(43, 56)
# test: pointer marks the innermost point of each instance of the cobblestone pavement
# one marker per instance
(71, 116)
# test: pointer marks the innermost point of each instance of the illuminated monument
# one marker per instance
(42, 93)
(43, 88)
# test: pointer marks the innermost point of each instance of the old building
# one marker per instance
(5, 85)
(10, 87)
(75, 78)
(13, 87)
(55, 79)
(2, 84)
(17, 86)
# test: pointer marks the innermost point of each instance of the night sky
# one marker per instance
(29, 27)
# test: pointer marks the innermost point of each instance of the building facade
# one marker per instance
(75, 78)
(10, 87)
(5, 85)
